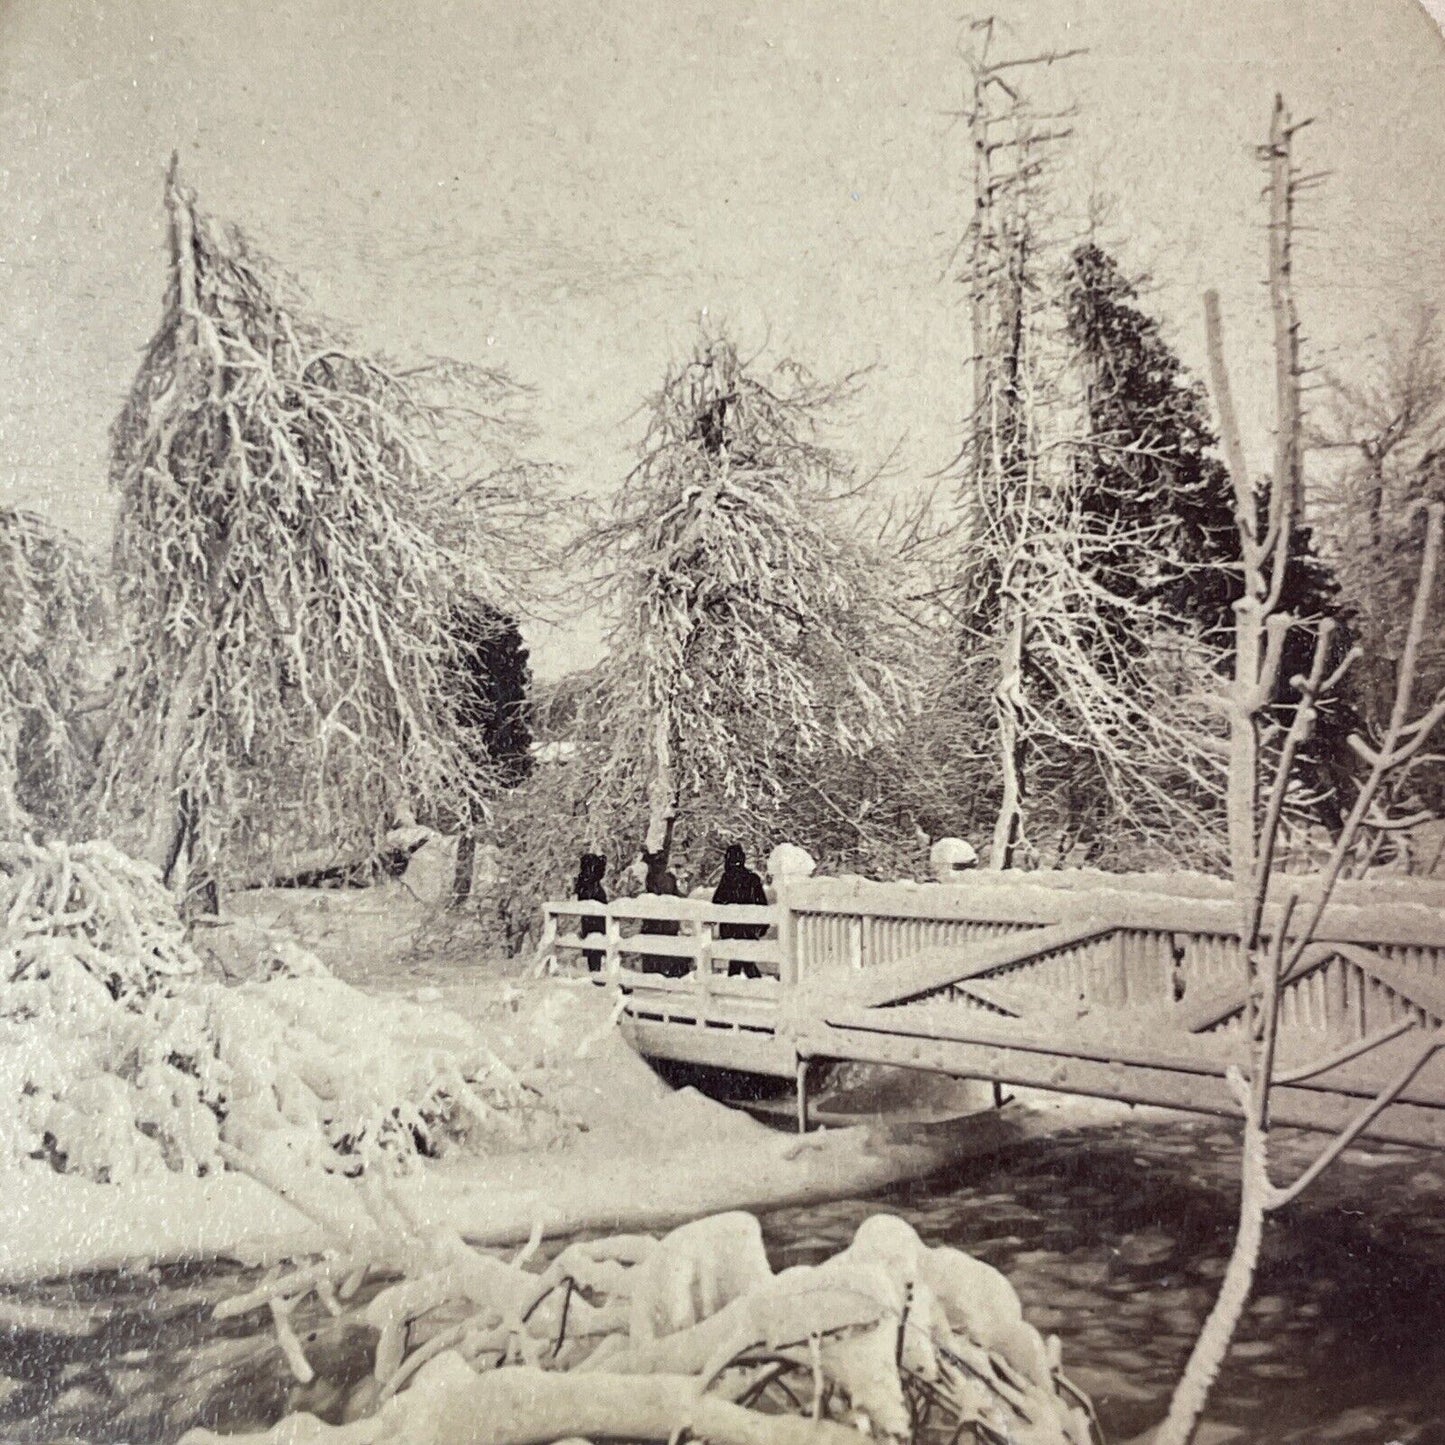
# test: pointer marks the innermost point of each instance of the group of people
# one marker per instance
(738, 885)
(949, 859)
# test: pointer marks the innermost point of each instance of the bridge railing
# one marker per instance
(1167, 939)
(718, 966)
(1163, 940)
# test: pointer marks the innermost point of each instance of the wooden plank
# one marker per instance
(689, 910)
(920, 1023)
(747, 950)
(1212, 1010)
(719, 950)
(694, 986)
(989, 993)
(663, 945)
(680, 910)
(936, 968)
(569, 908)
(1416, 1120)
(1421, 989)
(758, 1053)
(1359, 914)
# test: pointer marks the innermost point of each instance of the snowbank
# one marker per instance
(626, 1151)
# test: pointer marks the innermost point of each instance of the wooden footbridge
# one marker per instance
(1128, 988)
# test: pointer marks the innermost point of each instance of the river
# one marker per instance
(1114, 1238)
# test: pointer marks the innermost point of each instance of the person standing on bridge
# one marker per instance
(661, 882)
(589, 889)
(740, 885)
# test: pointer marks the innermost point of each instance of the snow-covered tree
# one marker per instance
(296, 521)
(1093, 729)
(754, 634)
(1385, 438)
(51, 619)
(1262, 777)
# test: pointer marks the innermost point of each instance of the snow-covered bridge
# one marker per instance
(1128, 988)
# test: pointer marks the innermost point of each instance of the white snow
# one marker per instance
(617, 1148)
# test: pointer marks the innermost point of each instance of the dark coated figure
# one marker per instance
(740, 885)
(589, 889)
(661, 883)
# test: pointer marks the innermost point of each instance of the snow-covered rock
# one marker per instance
(788, 860)
(950, 856)
(430, 873)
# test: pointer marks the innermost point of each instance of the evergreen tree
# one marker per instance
(492, 678)
(1149, 458)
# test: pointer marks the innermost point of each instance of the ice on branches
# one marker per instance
(118, 1058)
(296, 520)
(757, 640)
(51, 615)
(694, 1337)
(87, 908)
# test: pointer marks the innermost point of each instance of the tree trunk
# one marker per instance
(1243, 800)
(1192, 1392)
(662, 790)
(1008, 827)
(1258, 648)
(1288, 462)
(166, 835)
(466, 867)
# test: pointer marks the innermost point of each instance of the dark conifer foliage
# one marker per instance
(1151, 455)
(493, 684)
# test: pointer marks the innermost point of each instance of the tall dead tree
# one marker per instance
(1010, 142)
(1088, 718)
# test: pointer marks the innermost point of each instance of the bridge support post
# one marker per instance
(801, 1081)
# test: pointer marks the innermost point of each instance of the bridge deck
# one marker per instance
(1123, 994)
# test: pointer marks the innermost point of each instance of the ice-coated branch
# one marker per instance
(298, 523)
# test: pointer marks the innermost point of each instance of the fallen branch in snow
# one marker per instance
(695, 1337)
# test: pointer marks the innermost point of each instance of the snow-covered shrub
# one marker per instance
(88, 942)
(313, 1072)
(691, 1337)
(118, 1058)
(86, 908)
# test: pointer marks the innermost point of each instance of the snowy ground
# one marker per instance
(624, 1150)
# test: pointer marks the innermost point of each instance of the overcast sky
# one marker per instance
(564, 185)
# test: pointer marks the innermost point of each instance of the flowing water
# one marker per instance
(1114, 1239)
